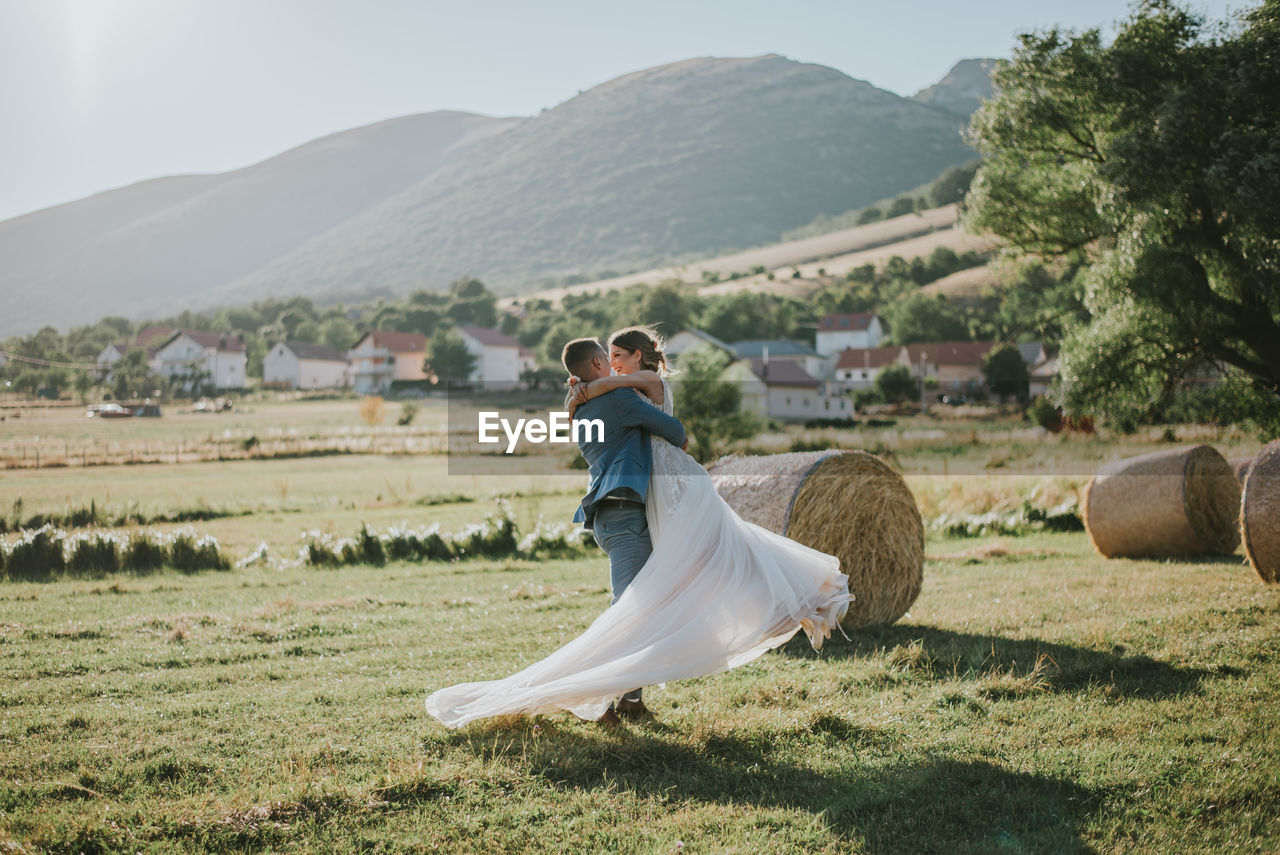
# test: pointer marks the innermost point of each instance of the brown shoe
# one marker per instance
(609, 719)
(632, 709)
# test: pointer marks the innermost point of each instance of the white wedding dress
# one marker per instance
(716, 593)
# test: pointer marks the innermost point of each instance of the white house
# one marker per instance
(688, 339)
(956, 365)
(1042, 376)
(784, 390)
(302, 365)
(382, 356)
(858, 368)
(500, 359)
(860, 331)
(148, 338)
(782, 350)
(192, 356)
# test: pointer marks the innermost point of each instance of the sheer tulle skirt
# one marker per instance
(716, 593)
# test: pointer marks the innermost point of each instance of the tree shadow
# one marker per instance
(1052, 667)
(893, 805)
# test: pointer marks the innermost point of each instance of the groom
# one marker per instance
(620, 464)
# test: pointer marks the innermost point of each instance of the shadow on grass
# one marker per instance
(904, 806)
(1053, 667)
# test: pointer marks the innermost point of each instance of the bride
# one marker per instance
(716, 593)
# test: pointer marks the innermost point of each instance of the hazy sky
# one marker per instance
(96, 94)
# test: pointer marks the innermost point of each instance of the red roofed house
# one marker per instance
(782, 389)
(858, 368)
(837, 332)
(957, 365)
(148, 337)
(194, 358)
(500, 359)
(381, 356)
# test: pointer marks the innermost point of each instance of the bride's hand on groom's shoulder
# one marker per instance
(577, 391)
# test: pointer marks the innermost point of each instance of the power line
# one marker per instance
(49, 363)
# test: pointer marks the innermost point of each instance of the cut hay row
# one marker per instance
(848, 504)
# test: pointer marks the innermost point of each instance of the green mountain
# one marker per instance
(963, 89)
(161, 246)
(683, 160)
(680, 161)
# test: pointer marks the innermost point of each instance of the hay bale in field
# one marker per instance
(845, 503)
(1260, 514)
(1240, 466)
(1164, 504)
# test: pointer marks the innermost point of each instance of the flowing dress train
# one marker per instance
(716, 593)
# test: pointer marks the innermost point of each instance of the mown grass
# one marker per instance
(1036, 699)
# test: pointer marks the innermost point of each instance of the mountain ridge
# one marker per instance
(687, 159)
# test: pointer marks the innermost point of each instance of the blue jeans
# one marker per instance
(623, 533)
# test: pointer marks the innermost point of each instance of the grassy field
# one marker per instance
(1037, 698)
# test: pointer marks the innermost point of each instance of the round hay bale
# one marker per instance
(1260, 514)
(1164, 504)
(845, 503)
(1240, 466)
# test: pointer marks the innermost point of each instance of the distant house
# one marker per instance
(858, 368)
(194, 357)
(148, 338)
(1042, 376)
(303, 365)
(956, 365)
(781, 350)
(784, 390)
(1032, 353)
(500, 359)
(381, 356)
(686, 340)
(860, 330)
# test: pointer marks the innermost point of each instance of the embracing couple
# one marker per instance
(696, 589)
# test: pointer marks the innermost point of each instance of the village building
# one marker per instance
(859, 330)
(955, 365)
(1042, 377)
(148, 338)
(687, 340)
(193, 358)
(783, 390)
(782, 350)
(858, 368)
(303, 365)
(500, 359)
(381, 356)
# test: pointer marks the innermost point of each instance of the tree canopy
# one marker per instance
(1158, 156)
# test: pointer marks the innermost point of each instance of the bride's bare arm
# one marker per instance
(648, 382)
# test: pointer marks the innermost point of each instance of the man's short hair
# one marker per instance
(578, 353)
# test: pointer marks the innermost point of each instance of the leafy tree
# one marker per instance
(899, 206)
(920, 317)
(869, 215)
(669, 307)
(468, 288)
(448, 358)
(1006, 373)
(478, 312)
(896, 384)
(1155, 156)
(339, 333)
(708, 406)
(952, 185)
